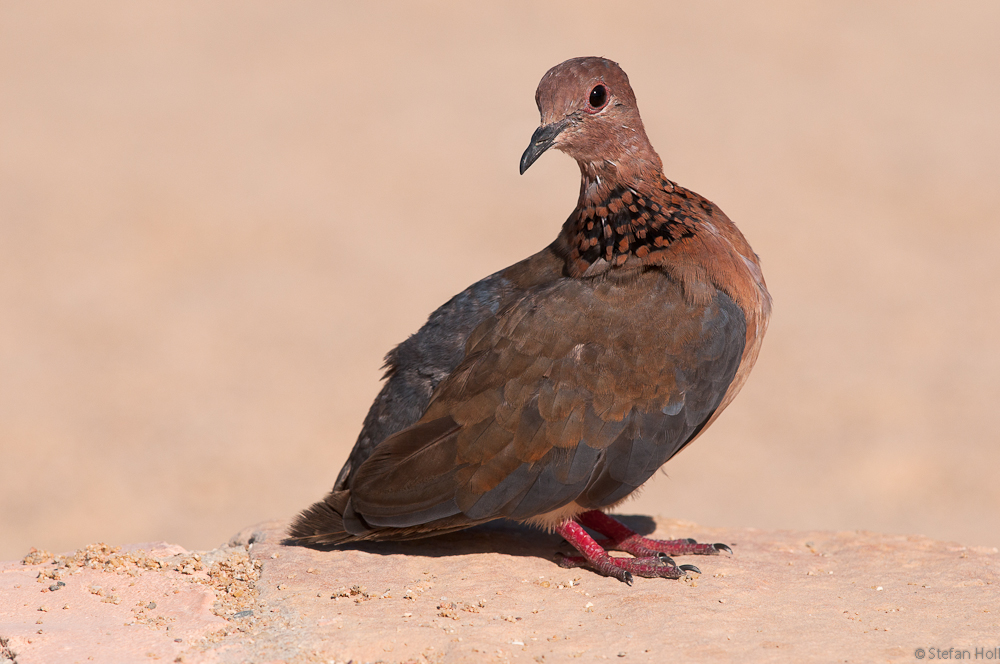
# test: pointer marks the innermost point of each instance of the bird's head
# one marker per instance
(589, 112)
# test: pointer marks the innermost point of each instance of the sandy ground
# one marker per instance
(215, 219)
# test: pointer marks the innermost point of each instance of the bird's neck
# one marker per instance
(625, 213)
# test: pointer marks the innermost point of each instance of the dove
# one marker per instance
(549, 392)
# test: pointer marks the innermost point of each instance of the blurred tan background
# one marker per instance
(216, 218)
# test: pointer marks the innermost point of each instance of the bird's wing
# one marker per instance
(415, 367)
(579, 391)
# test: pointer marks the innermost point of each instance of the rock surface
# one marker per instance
(493, 594)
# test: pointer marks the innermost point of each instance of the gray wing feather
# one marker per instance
(416, 366)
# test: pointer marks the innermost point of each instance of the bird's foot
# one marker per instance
(624, 569)
(622, 538)
(649, 564)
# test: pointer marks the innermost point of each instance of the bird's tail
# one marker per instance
(323, 523)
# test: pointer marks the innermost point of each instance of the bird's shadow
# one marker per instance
(501, 536)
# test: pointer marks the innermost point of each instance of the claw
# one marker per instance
(689, 568)
(627, 578)
(692, 540)
(722, 547)
(664, 558)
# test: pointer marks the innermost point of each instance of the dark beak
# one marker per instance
(541, 140)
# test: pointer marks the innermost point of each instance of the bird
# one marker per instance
(549, 392)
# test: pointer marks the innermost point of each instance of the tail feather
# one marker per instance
(334, 521)
(323, 523)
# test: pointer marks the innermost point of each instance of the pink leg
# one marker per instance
(622, 538)
(655, 565)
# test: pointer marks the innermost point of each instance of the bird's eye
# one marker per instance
(598, 97)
